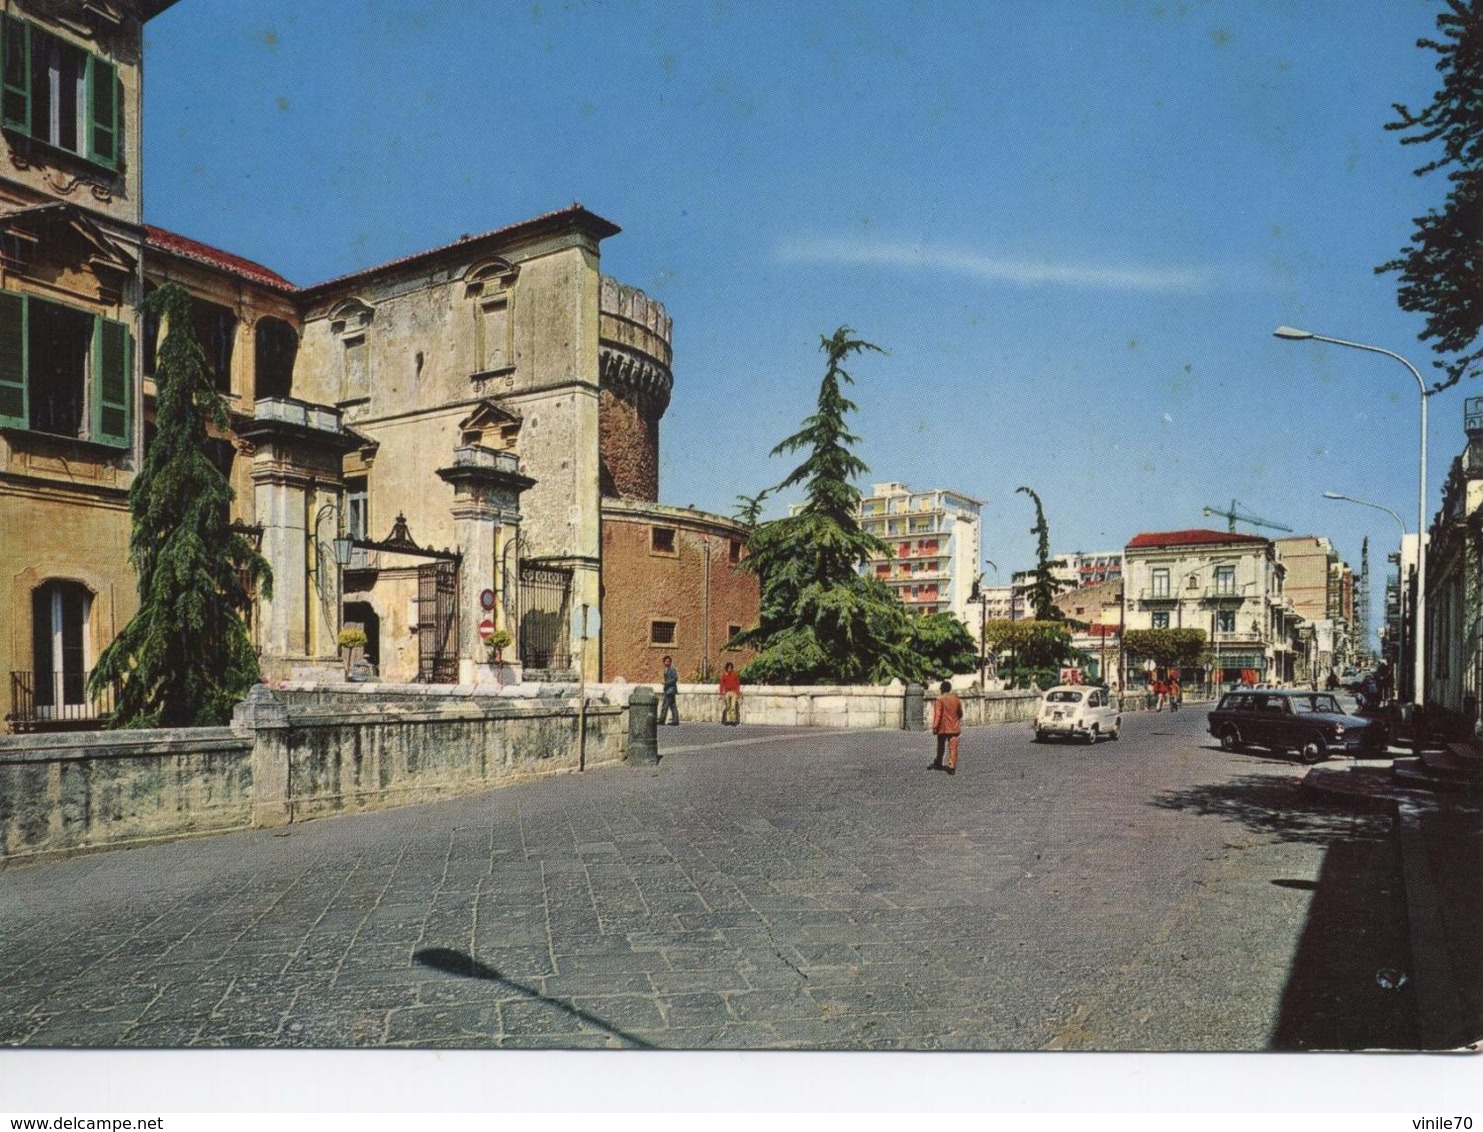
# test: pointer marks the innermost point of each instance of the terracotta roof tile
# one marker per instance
(1149, 539)
(190, 249)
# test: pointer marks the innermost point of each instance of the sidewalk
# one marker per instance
(1441, 843)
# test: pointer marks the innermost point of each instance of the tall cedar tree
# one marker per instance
(185, 658)
(820, 621)
(1043, 592)
(1441, 269)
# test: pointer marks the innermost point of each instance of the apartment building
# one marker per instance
(935, 538)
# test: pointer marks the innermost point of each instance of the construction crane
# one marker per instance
(1234, 515)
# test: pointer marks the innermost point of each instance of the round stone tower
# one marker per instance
(635, 383)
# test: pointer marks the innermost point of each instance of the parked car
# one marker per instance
(1074, 711)
(1313, 724)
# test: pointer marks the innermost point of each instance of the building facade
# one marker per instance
(1454, 588)
(71, 250)
(422, 449)
(1320, 586)
(1230, 586)
(935, 538)
(1094, 613)
(1068, 572)
(672, 586)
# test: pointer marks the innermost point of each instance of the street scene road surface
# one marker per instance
(761, 888)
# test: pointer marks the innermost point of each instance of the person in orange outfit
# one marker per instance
(947, 725)
(730, 695)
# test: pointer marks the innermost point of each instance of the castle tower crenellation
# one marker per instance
(635, 352)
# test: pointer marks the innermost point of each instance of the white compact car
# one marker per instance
(1077, 711)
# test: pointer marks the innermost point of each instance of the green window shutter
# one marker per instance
(15, 74)
(113, 357)
(102, 96)
(13, 407)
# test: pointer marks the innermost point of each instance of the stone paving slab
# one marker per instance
(761, 888)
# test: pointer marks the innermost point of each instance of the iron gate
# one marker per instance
(437, 623)
(545, 615)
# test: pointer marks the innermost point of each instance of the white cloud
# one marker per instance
(1024, 273)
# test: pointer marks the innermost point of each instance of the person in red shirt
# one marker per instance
(947, 725)
(730, 695)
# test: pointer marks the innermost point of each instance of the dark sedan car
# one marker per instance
(1311, 723)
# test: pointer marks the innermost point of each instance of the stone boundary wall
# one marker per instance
(860, 706)
(76, 790)
(298, 752)
(323, 750)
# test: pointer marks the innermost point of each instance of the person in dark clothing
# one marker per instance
(671, 689)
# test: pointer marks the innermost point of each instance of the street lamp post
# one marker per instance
(1400, 650)
(1418, 636)
(980, 595)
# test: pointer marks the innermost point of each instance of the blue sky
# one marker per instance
(1073, 225)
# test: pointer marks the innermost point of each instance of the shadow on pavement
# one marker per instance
(1347, 984)
(466, 966)
(1454, 842)
(1278, 806)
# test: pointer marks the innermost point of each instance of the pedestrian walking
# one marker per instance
(730, 695)
(947, 725)
(1160, 695)
(671, 690)
(1176, 694)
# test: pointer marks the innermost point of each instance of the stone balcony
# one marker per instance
(299, 414)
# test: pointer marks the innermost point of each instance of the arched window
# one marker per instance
(276, 347)
(60, 646)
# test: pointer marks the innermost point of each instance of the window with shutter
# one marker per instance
(65, 372)
(57, 93)
(13, 409)
(112, 362)
(15, 101)
(103, 99)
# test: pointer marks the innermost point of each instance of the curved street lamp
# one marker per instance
(1418, 637)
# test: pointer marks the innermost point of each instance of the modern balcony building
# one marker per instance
(935, 538)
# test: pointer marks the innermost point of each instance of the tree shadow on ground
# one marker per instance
(466, 966)
(1277, 806)
(1348, 985)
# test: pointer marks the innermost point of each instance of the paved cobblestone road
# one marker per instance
(761, 888)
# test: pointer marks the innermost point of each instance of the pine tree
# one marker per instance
(1441, 269)
(185, 658)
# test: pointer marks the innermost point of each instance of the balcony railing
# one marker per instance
(56, 701)
(1238, 639)
(1215, 593)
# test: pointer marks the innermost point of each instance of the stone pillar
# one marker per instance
(297, 454)
(265, 718)
(913, 714)
(486, 495)
(278, 499)
(643, 727)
